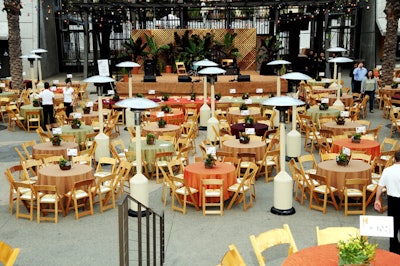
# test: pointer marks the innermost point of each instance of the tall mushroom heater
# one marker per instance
(39, 52)
(204, 109)
(294, 137)
(213, 121)
(128, 65)
(102, 140)
(283, 182)
(31, 58)
(339, 60)
(138, 183)
(338, 103)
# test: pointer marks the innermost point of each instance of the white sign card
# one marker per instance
(72, 152)
(233, 91)
(53, 88)
(211, 150)
(69, 76)
(160, 114)
(250, 131)
(110, 92)
(152, 92)
(321, 74)
(344, 113)
(259, 90)
(56, 81)
(77, 115)
(324, 100)
(244, 112)
(361, 129)
(56, 130)
(89, 104)
(103, 67)
(346, 151)
(327, 80)
(2, 85)
(248, 101)
(376, 226)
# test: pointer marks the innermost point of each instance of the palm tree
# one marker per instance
(154, 52)
(13, 9)
(392, 11)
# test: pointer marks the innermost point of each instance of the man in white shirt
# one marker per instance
(47, 97)
(359, 74)
(391, 180)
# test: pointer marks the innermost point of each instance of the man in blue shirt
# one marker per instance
(359, 74)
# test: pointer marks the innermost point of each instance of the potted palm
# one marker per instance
(162, 123)
(56, 140)
(64, 164)
(244, 138)
(356, 251)
(210, 161)
(76, 123)
(150, 139)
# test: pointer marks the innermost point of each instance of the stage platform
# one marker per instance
(168, 83)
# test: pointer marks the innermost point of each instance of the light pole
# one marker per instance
(128, 65)
(338, 60)
(138, 183)
(213, 121)
(39, 52)
(204, 109)
(103, 149)
(283, 182)
(31, 58)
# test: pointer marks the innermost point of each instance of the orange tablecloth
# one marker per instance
(195, 172)
(176, 114)
(154, 129)
(371, 147)
(184, 101)
(87, 118)
(337, 174)
(49, 148)
(339, 129)
(234, 114)
(64, 179)
(327, 255)
(234, 146)
(346, 99)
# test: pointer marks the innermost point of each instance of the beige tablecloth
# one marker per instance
(87, 118)
(234, 114)
(234, 146)
(316, 114)
(340, 129)
(78, 132)
(154, 129)
(49, 148)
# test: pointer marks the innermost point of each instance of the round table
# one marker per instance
(149, 151)
(322, 82)
(234, 146)
(87, 118)
(64, 179)
(258, 127)
(7, 94)
(49, 148)
(316, 114)
(234, 114)
(184, 101)
(79, 133)
(340, 129)
(258, 100)
(346, 99)
(371, 147)
(337, 174)
(195, 172)
(29, 107)
(156, 130)
(318, 90)
(327, 255)
(176, 117)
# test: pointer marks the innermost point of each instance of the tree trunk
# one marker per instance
(392, 11)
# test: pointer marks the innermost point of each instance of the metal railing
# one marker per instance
(141, 234)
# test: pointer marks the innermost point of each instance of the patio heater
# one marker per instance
(283, 182)
(128, 65)
(204, 109)
(138, 183)
(102, 139)
(39, 52)
(31, 58)
(339, 60)
(294, 137)
(213, 121)
(335, 50)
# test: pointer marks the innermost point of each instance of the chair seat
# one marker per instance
(162, 163)
(103, 189)
(102, 174)
(212, 193)
(354, 192)
(27, 195)
(49, 198)
(234, 187)
(184, 191)
(79, 194)
(311, 171)
(375, 176)
(322, 189)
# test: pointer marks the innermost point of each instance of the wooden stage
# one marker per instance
(168, 83)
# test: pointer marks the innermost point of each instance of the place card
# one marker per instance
(165, 144)
(77, 115)
(321, 74)
(56, 130)
(327, 80)
(110, 92)
(89, 104)
(244, 112)
(324, 100)
(248, 101)
(346, 151)
(2, 85)
(233, 91)
(211, 150)
(72, 152)
(376, 226)
(361, 129)
(250, 131)
(53, 88)
(259, 90)
(344, 113)
(160, 114)
(69, 76)
(152, 92)
(56, 81)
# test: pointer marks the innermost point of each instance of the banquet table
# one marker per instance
(234, 146)
(87, 118)
(258, 127)
(156, 130)
(184, 101)
(7, 94)
(340, 129)
(169, 117)
(194, 173)
(316, 114)
(318, 90)
(255, 100)
(79, 133)
(327, 255)
(49, 148)
(322, 82)
(149, 151)
(64, 179)
(346, 99)
(337, 174)
(234, 114)
(29, 107)
(371, 147)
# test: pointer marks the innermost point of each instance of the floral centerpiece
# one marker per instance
(85, 109)
(244, 138)
(116, 97)
(35, 103)
(56, 140)
(245, 96)
(342, 159)
(243, 106)
(340, 120)
(249, 121)
(356, 251)
(323, 106)
(217, 96)
(150, 139)
(210, 161)
(166, 109)
(356, 138)
(64, 164)
(165, 97)
(161, 123)
(139, 95)
(193, 96)
(76, 123)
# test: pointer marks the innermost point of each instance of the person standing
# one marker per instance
(390, 179)
(368, 86)
(321, 64)
(359, 74)
(47, 97)
(68, 92)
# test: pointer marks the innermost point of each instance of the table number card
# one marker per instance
(259, 90)
(244, 112)
(152, 92)
(77, 115)
(346, 151)
(69, 76)
(2, 85)
(233, 91)
(57, 130)
(211, 150)
(250, 131)
(160, 114)
(344, 113)
(89, 104)
(324, 100)
(110, 92)
(56, 81)
(321, 74)
(327, 80)
(376, 226)
(248, 101)
(361, 129)
(72, 152)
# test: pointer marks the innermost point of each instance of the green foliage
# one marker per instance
(227, 48)
(134, 49)
(269, 49)
(356, 251)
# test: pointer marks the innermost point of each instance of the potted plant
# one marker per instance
(340, 120)
(162, 123)
(35, 103)
(193, 96)
(150, 139)
(245, 96)
(85, 109)
(56, 140)
(165, 97)
(323, 106)
(125, 76)
(210, 161)
(244, 138)
(154, 53)
(249, 121)
(243, 106)
(356, 251)
(268, 51)
(395, 85)
(356, 138)
(139, 95)
(116, 97)
(133, 50)
(166, 109)
(64, 164)
(217, 96)
(342, 159)
(76, 123)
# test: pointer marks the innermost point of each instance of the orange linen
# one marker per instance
(234, 146)
(371, 147)
(49, 148)
(176, 114)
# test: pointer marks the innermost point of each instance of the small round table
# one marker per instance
(87, 118)
(29, 107)
(234, 146)
(170, 118)
(156, 130)
(258, 127)
(340, 129)
(79, 133)
(49, 148)
(371, 147)
(316, 114)
(346, 99)
(233, 114)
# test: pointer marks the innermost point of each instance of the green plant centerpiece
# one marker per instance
(340, 120)
(166, 109)
(64, 164)
(395, 85)
(210, 161)
(217, 96)
(85, 109)
(323, 106)
(193, 96)
(76, 123)
(343, 159)
(243, 106)
(139, 95)
(244, 138)
(115, 97)
(165, 97)
(56, 140)
(249, 121)
(35, 103)
(245, 96)
(356, 138)
(150, 139)
(356, 251)
(162, 123)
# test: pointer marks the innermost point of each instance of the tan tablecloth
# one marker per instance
(316, 114)
(78, 132)
(49, 148)
(234, 114)
(87, 118)
(64, 179)
(346, 99)
(339, 129)
(154, 129)
(234, 146)
(317, 90)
